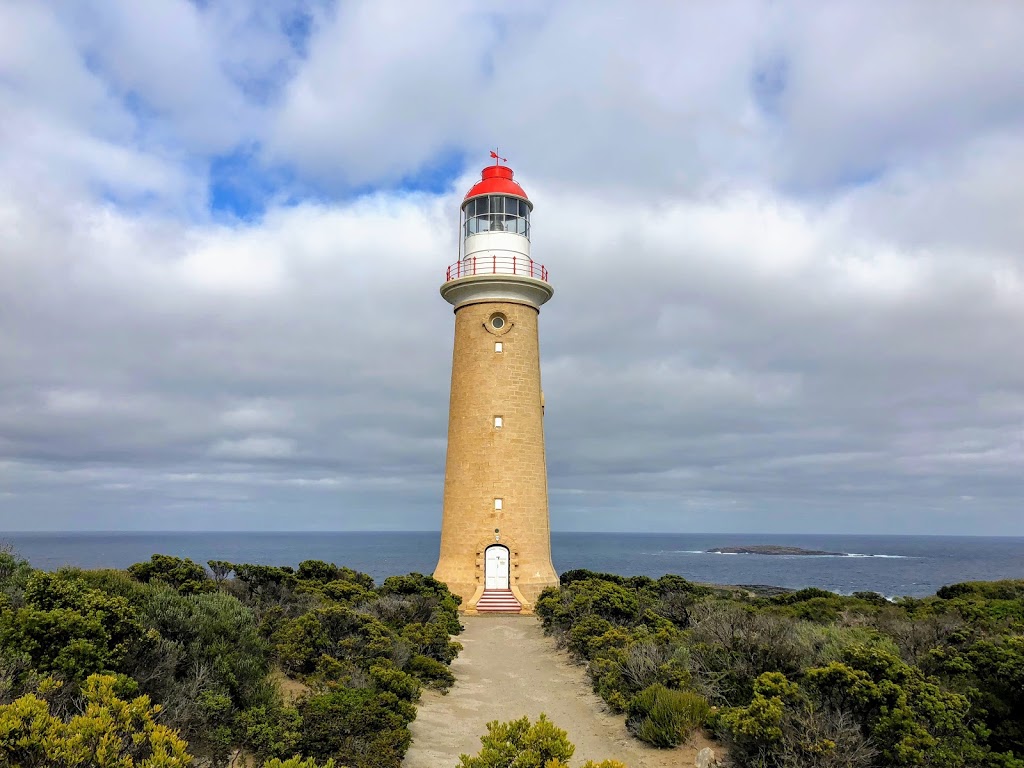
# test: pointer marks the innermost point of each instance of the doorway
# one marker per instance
(496, 567)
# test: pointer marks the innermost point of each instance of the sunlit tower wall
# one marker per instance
(495, 530)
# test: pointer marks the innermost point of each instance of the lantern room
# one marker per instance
(494, 245)
(495, 220)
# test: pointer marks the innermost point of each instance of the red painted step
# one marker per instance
(498, 601)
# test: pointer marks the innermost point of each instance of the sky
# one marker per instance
(786, 241)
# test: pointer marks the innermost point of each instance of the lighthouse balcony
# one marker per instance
(489, 277)
(493, 264)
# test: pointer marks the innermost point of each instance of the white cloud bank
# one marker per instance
(785, 248)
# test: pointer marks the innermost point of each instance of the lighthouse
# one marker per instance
(495, 529)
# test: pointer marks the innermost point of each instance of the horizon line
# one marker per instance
(438, 532)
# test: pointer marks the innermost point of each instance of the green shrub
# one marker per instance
(334, 631)
(821, 610)
(359, 727)
(583, 574)
(186, 576)
(14, 574)
(214, 631)
(70, 630)
(270, 731)
(673, 584)
(444, 603)
(871, 597)
(520, 744)
(108, 733)
(415, 584)
(802, 595)
(584, 637)
(1007, 589)
(912, 719)
(297, 762)
(664, 717)
(734, 644)
(431, 672)
(387, 677)
(617, 603)
(431, 640)
(265, 583)
(342, 591)
(318, 570)
(603, 598)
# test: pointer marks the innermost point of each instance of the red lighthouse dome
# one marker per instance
(497, 180)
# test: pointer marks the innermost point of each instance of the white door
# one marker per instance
(496, 568)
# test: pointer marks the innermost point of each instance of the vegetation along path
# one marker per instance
(509, 669)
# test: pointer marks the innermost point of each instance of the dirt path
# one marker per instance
(509, 669)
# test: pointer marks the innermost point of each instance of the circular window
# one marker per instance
(498, 322)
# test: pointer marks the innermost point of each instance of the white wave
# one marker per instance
(844, 593)
(781, 557)
(892, 557)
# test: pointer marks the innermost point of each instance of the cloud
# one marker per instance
(254, 448)
(787, 272)
(867, 89)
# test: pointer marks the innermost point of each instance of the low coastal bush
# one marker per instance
(185, 576)
(522, 744)
(665, 717)
(297, 762)
(807, 677)
(106, 731)
(215, 654)
(431, 672)
(359, 727)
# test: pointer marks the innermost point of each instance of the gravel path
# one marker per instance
(509, 669)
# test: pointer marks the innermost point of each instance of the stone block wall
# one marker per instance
(485, 463)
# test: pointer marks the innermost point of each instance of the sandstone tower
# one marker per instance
(495, 532)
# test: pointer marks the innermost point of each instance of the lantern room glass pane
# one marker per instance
(496, 213)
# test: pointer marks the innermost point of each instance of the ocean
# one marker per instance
(891, 565)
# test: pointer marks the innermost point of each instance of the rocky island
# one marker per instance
(772, 550)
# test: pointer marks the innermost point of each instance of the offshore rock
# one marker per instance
(771, 549)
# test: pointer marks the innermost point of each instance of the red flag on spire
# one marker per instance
(497, 159)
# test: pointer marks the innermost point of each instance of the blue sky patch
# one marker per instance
(437, 175)
(240, 187)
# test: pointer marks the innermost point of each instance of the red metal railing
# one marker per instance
(497, 265)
